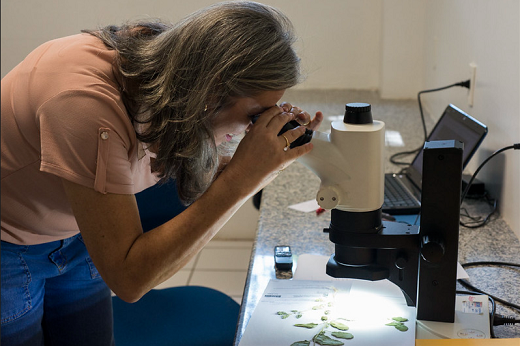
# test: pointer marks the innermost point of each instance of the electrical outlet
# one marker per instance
(472, 85)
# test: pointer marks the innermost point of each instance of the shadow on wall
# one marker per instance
(496, 170)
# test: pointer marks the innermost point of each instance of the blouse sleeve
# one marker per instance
(87, 137)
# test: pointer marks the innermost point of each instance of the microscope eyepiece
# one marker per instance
(358, 113)
(303, 139)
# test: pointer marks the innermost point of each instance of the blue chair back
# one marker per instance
(186, 315)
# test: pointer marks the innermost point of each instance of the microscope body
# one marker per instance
(420, 260)
(349, 162)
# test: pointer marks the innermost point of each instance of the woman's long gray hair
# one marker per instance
(177, 77)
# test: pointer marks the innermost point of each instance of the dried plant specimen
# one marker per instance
(338, 325)
(301, 343)
(283, 314)
(324, 340)
(400, 319)
(330, 332)
(398, 323)
(342, 335)
(306, 325)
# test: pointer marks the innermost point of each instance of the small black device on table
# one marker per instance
(283, 257)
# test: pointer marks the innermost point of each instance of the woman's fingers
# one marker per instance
(289, 137)
(293, 134)
(286, 106)
(303, 117)
(316, 122)
(273, 120)
(273, 117)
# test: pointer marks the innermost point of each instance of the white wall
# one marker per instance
(339, 39)
(395, 46)
(402, 48)
(486, 32)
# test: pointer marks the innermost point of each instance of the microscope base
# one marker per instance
(471, 321)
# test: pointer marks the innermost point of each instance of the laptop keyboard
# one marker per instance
(396, 196)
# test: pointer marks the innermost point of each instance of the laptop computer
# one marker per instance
(403, 190)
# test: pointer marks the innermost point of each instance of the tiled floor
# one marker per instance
(221, 265)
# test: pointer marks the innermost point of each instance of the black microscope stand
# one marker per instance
(422, 261)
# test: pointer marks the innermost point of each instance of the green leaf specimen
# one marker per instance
(306, 325)
(282, 314)
(324, 340)
(400, 319)
(338, 325)
(342, 335)
(393, 324)
(398, 323)
(301, 343)
(401, 327)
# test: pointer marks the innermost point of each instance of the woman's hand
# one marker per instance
(303, 117)
(262, 154)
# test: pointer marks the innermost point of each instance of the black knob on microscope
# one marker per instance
(432, 249)
(401, 261)
(358, 113)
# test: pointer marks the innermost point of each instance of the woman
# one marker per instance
(91, 119)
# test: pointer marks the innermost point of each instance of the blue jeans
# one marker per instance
(53, 295)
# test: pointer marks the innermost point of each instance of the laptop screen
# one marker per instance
(453, 124)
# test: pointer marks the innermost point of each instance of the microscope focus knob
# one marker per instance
(401, 262)
(432, 249)
(328, 197)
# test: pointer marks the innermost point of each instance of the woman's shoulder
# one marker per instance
(78, 66)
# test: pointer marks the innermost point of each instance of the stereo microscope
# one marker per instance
(421, 260)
